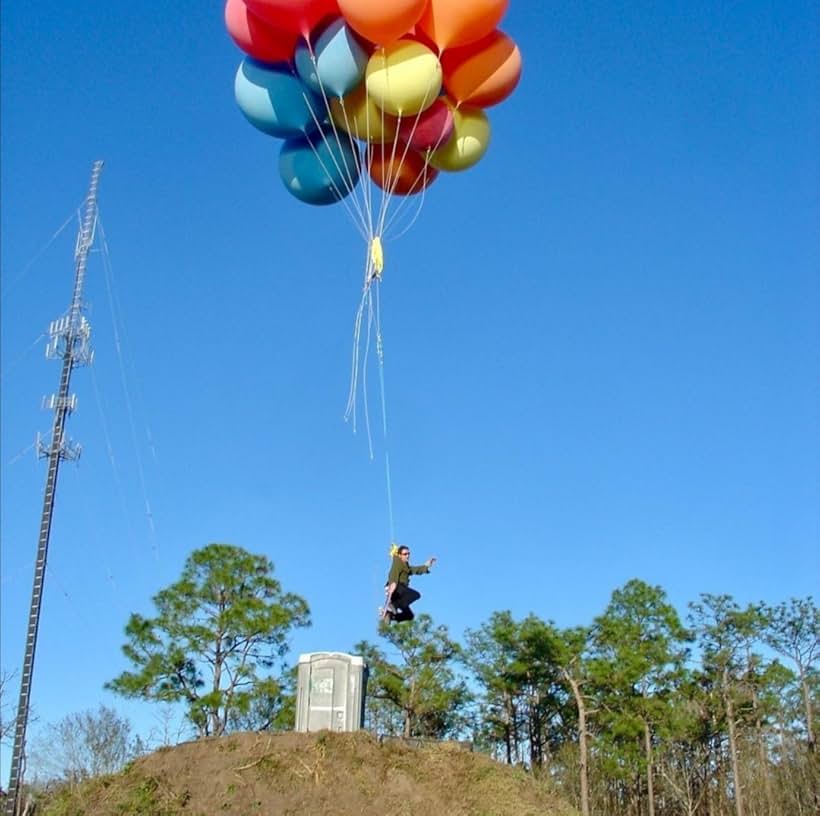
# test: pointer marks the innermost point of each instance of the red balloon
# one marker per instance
(400, 171)
(430, 130)
(296, 16)
(255, 37)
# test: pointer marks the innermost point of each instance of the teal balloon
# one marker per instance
(319, 170)
(338, 63)
(276, 101)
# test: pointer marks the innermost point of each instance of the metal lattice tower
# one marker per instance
(70, 336)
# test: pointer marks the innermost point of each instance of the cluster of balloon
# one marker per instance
(398, 87)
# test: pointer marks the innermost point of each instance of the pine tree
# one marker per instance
(423, 684)
(640, 652)
(222, 622)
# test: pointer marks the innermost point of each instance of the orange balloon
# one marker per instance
(450, 23)
(483, 73)
(400, 171)
(379, 21)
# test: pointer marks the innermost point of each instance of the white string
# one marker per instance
(367, 202)
(11, 576)
(127, 362)
(40, 252)
(365, 402)
(392, 182)
(17, 457)
(351, 185)
(108, 269)
(73, 605)
(405, 200)
(19, 359)
(92, 515)
(344, 172)
(350, 411)
(404, 203)
(343, 198)
(365, 223)
(109, 448)
(387, 191)
(380, 356)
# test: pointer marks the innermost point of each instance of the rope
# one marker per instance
(380, 356)
(357, 365)
(364, 371)
(361, 212)
(373, 307)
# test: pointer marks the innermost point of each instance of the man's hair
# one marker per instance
(403, 549)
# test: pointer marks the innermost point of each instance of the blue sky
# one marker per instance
(601, 342)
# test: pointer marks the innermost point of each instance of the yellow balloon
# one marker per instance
(404, 78)
(359, 115)
(469, 142)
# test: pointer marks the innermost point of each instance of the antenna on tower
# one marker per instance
(70, 342)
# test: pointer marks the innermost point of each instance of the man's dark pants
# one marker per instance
(401, 599)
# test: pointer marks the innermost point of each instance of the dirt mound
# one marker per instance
(321, 774)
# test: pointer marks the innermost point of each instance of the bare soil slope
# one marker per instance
(312, 775)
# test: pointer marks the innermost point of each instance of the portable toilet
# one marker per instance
(331, 688)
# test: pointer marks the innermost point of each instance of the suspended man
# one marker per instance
(399, 595)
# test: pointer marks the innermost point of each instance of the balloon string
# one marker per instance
(351, 184)
(372, 306)
(359, 221)
(394, 177)
(384, 195)
(367, 203)
(416, 215)
(404, 203)
(383, 394)
(363, 223)
(358, 360)
(421, 176)
(350, 411)
(365, 404)
(365, 210)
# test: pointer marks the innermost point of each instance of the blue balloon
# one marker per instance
(318, 169)
(340, 61)
(275, 101)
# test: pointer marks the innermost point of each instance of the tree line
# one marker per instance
(641, 713)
